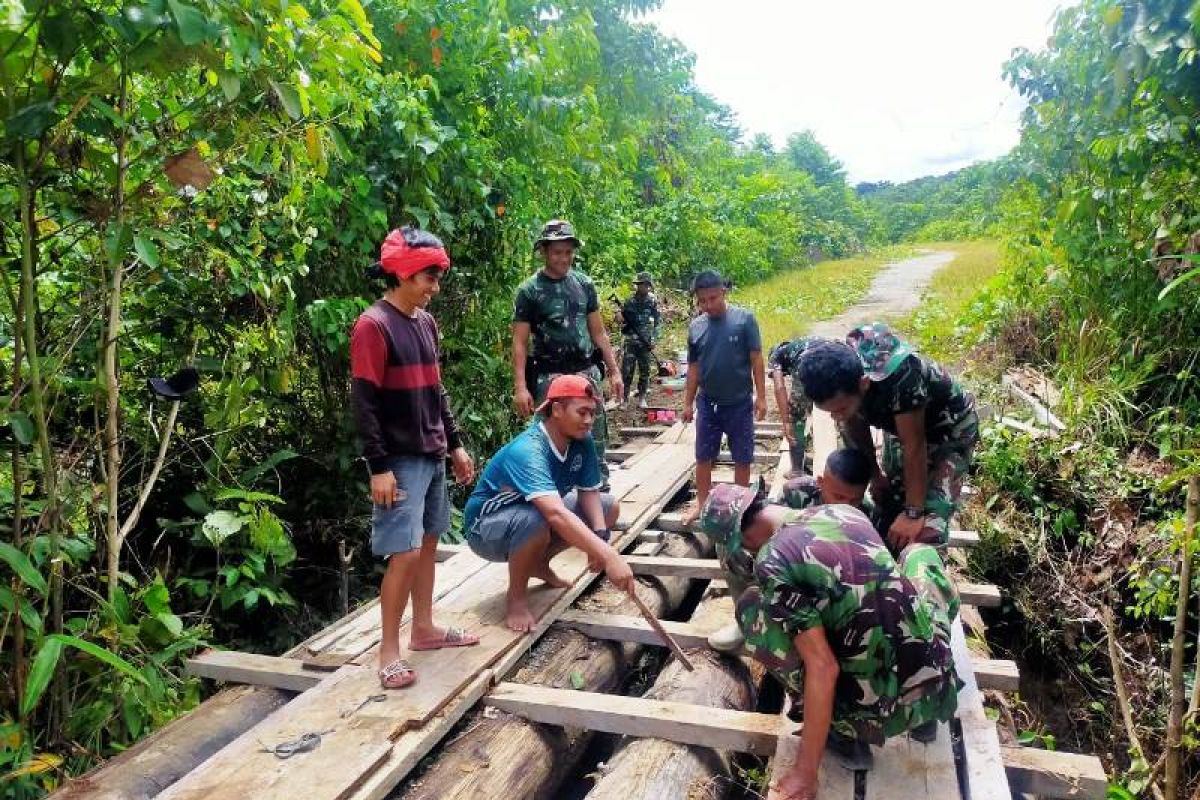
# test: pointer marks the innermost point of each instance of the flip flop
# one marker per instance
(397, 675)
(453, 637)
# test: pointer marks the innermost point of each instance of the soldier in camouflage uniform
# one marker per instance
(639, 324)
(875, 379)
(559, 310)
(860, 638)
(794, 407)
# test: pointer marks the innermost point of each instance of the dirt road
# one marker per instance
(896, 290)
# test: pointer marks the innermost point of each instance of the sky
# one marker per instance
(894, 89)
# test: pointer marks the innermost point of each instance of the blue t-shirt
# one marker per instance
(722, 347)
(529, 466)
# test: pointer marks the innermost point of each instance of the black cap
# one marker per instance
(709, 279)
(178, 386)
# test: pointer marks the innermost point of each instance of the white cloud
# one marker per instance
(895, 90)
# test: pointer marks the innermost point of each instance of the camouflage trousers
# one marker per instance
(599, 425)
(948, 463)
(636, 356)
(800, 408)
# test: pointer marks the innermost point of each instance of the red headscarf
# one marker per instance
(405, 256)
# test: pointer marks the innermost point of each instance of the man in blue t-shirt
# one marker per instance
(726, 384)
(540, 494)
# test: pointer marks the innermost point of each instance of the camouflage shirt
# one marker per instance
(785, 356)
(640, 316)
(887, 624)
(903, 380)
(557, 312)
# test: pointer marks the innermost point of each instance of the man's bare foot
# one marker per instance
(388, 657)
(550, 577)
(519, 618)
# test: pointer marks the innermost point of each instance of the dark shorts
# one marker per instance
(500, 534)
(422, 508)
(734, 421)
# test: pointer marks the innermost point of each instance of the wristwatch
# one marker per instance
(914, 512)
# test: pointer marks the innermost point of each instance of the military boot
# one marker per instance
(728, 639)
(852, 753)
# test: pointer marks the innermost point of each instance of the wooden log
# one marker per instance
(622, 454)
(655, 768)
(507, 756)
(1054, 774)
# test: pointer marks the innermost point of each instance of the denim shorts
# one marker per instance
(423, 507)
(500, 534)
(735, 421)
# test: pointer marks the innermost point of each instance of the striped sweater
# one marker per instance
(400, 406)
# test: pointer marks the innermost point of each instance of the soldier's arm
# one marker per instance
(595, 324)
(820, 677)
(782, 401)
(520, 352)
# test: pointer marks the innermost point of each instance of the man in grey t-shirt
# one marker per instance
(724, 354)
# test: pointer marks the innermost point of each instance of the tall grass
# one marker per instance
(942, 323)
(789, 302)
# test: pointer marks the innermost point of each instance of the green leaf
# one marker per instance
(40, 673)
(31, 121)
(272, 461)
(22, 426)
(289, 97)
(11, 602)
(1170, 287)
(193, 26)
(231, 84)
(220, 525)
(21, 565)
(172, 623)
(147, 251)
(577, 680)
(95, 651)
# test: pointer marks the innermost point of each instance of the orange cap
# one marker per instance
(567, 386)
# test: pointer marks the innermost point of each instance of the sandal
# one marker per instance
(397, 675)
(453, 637)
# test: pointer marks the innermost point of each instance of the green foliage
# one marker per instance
(204, 181)
(965, 204)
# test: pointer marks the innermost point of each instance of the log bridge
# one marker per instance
(504, 724)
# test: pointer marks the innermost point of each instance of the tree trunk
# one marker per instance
(508, 757)
(655, 768)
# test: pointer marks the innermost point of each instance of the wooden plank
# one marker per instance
(624, 628)
(834, 782)
(448, 550)
(984, 595)
(700, 568)
(824, 439)
(908, 769)
(998, 674)
(624, 454)
(759, 433)
(364, 633)
(981, 743)
(1054, 774)
(718, 728)
(258, 670)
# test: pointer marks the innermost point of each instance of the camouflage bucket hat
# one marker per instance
(880, 350)
(721, 517)
(644, 277)
(558, 230)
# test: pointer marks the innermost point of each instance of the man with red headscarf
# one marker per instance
(406, 427)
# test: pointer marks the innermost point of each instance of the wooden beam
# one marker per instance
(673, 523)
(700, 568)
(718, 728)
(1053, 774)
(824, 439)
(654, 430)
(258, 670)
(999, 674)
(623, 628)
(989, 673)
(981, 743)
(985, 595)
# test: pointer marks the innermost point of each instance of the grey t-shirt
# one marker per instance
(722, 347)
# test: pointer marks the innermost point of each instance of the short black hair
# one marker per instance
(828, 369)
(708, 279)
(753, 510)
(849, 465)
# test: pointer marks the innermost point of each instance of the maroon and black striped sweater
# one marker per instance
(400, 406)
